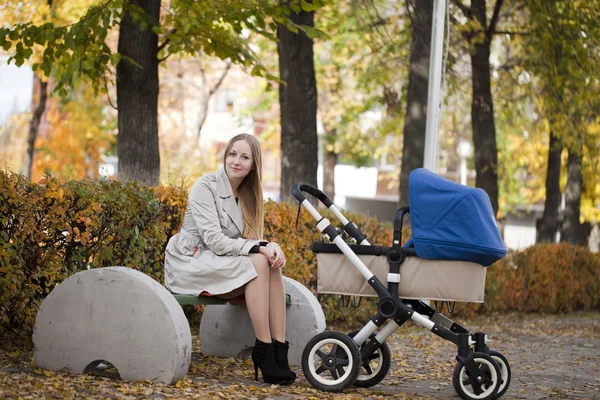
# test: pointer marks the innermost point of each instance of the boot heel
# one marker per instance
(263, 357)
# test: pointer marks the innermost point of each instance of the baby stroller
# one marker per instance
(455, 237)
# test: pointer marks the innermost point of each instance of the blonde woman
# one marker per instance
(220, 252)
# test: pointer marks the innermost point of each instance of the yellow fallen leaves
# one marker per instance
(422, 365)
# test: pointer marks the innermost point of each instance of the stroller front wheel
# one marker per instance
(331, 361)
(376, 367)
(468, 388)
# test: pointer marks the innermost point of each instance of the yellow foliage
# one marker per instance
(75, 141)
(13, 141)
(20, 12)
(52, 229)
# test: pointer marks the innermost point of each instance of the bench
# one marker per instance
(190, 299)
(124, 317)
(117, 315)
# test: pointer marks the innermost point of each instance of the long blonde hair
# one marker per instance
(250, 192)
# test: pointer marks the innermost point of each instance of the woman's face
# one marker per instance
(239, 161)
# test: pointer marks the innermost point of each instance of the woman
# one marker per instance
(220, 252)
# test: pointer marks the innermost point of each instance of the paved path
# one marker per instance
(551, 357)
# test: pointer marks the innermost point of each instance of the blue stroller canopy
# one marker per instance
(452, 221)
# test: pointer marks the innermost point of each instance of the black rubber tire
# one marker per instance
(489, 368)
(385, 360)
(505, 372)
(345, 351)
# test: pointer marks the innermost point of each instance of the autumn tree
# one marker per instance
(479, 32)
(80, 52)
(137, 93)
(361, 76)
(40, 12)
(415, 119)
(563, 57)
(297, 100)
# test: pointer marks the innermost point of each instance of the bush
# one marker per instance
(547, 278)
(51, 230)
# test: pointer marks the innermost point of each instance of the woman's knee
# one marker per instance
(260, 262)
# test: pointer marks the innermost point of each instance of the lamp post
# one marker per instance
(464, 151)
(435, 82)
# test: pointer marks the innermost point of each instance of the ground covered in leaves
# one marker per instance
(552, 357)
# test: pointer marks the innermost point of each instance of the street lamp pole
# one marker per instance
(435, 83)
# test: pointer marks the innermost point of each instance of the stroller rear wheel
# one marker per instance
(331, 361)
(467, 386)
(376, 367)
(505, 373)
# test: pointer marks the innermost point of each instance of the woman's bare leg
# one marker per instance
(257, 298)
(276, 305)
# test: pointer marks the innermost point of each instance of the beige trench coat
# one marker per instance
(209, 254)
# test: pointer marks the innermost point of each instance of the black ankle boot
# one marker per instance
(281, 356)
(263, 357)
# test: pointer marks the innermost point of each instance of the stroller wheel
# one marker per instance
(505, 373)
(331, 361)
(376, 367)
(468, 388)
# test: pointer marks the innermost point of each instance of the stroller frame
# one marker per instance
(486, 371)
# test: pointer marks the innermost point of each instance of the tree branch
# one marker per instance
(108, 94)
(166, 42)
(221, 78)
(465, 10)
(524, 33)
(494, 20)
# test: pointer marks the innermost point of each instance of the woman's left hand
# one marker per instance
(278, 258)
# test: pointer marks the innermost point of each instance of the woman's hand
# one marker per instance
(274, 254)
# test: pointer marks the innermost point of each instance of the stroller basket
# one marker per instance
(420, 278)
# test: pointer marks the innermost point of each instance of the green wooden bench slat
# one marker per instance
(185, 299)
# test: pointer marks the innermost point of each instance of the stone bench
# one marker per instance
(190, 299)
(226, 330)
(124, 317)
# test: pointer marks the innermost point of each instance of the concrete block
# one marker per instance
(226, 330)
(115, 314)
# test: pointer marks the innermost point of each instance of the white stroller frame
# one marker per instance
(479, 373)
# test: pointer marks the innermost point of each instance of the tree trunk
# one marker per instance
(34, 124)
(415, 119)
(571, 227)
(329, 163)
(482, 111)
(298, 106)
(549, 223)
(137, 97)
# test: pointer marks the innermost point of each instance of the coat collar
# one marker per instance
(229, 205)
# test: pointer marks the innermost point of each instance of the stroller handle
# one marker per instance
(310, 189)
(349, 227)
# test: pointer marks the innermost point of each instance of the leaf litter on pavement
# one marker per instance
(552, 356)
